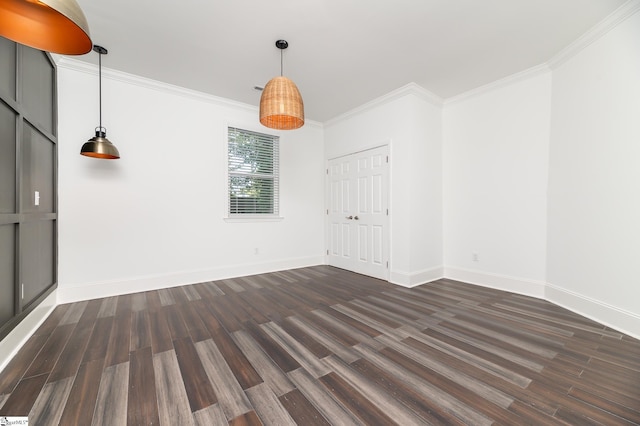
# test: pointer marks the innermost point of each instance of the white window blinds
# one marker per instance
(253, 173)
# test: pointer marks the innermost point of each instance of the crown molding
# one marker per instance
(625, 11)
(147, 83)
(407, 89)
(599, 30)
(424, 94)
(619, 15)
(80, 66)
(503, 82)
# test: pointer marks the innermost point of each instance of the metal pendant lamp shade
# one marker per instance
(57, 26)
(99, 146)
(281, 105)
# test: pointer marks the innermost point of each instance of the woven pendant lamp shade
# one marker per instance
(57, 26)
(281, 105)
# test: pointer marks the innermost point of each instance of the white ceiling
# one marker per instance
(342, 53)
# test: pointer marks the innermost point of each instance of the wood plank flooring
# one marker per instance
(322, 346)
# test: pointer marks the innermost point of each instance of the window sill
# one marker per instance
(254, 219)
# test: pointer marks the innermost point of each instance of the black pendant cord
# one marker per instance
(101, 51)
(100, 86)
(282, 44)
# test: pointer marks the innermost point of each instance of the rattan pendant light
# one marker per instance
(57, 26)
(99, 146)
(281, 105)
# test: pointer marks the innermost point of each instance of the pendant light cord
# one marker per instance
(281, 63)
(100, 86)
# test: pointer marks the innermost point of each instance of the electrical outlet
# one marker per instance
(474, 257)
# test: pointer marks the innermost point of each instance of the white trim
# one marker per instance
(500, 282)
(256, 127)
(424, 94)
(364, 149)
(406, 279)
(147, 83)
(95, 290)
(407, 89)
(13, 342)
(615, 18)
(252, 218)
(498, 84)
(595, 33)
(603, 313)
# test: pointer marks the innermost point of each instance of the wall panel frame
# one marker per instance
(28, 181)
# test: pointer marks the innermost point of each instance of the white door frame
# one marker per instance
(387, 185)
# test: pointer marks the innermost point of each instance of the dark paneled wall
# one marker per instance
(28, 187)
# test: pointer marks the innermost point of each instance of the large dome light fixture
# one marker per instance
(99, 146)
(57, 26)
(281, 105)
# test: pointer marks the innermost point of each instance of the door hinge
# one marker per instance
(327, 252)
(387, 212)
(327, 171)
(387, 158)
(327, 211)
(21, 291)
(387, 264)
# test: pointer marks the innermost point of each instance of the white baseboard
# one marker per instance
(76, 293)
(611, 316)
(500, 282)
(409, 280)
(11, 344)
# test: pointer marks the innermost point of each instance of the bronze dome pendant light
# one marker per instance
(99, 146)
(57, 26)
(281, 105)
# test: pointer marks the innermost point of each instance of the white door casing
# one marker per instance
(357, 214)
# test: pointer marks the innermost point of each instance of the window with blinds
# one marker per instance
(253, 173)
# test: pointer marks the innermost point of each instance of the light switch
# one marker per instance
(36, 198)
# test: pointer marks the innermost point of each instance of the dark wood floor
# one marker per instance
(322, 346)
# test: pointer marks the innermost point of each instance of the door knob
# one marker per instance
(349, 217)
(356, 218)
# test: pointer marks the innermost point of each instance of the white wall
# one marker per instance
(423, 177)
(160, 208)
(495, 180)
(594, 180)
(409, 120)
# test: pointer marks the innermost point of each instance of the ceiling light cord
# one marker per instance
(100, 87)
(281, 63)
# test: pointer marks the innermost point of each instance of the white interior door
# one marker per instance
(358, 215)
